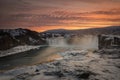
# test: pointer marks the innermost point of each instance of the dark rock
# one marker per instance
(36, 70)
(57, 63)
(118, 66)
(108, 41)
(54, 73)
(83, 74)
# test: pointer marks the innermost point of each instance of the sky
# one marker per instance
(42, 15)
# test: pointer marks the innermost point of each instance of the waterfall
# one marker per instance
(58, 41)
(84, 42)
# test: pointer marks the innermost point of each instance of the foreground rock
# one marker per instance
(109, 41)
(80, 65)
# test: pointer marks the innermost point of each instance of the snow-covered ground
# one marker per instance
(17, 49)
(15, 32)
(75, 65)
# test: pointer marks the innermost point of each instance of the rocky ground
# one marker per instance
(79, 65)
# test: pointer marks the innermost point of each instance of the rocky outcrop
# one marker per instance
(75, 65)
(109, 41)
(6, 42)
(13, 37)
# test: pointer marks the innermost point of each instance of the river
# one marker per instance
(49, 53)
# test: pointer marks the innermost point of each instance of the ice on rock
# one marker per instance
(93, 66)
(15, 32)
(17, 49)
(32, 40)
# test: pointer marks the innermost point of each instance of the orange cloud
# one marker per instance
(55, 14)
(45, 28)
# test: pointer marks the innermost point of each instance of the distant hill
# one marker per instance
(105, 30)
(56, 30)
(13, 37)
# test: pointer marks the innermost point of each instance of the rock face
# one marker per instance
(13, 37)
(109, 41)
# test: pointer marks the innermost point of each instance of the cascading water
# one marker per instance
(59, 41)
(84, 42)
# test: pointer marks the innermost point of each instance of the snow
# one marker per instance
(92, 65)
(111, 36)
(15, 32)
(68, 54)
(32, 40)
(17, 49)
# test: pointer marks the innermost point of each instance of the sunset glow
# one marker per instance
(42, 29)
(42, 15)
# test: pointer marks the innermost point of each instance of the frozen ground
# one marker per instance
(75, 65)
(17, 49)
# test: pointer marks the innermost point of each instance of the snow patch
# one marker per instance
(15, 32)
(17, 49)
(93, 66)
(32, 40)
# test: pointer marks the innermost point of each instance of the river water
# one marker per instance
(48, 53)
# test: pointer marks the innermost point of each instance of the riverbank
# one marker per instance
(80, 65)
(18, 49)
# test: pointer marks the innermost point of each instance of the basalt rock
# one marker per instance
(109, 41)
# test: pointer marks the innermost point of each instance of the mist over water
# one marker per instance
(83, 42)
(59, 41)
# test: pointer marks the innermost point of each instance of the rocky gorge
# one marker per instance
(85, 64)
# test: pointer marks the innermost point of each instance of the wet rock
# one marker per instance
(81, 74)
(37, 70)
(54, 73)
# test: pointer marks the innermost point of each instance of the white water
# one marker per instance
(59, 41)
(84, 42)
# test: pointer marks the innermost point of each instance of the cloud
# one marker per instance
(57, 18)
(108, 12)
(24, 13)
